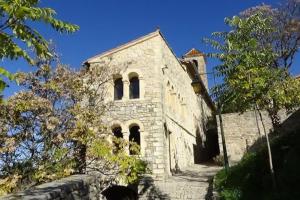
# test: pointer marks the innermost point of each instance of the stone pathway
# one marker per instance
(192, 183)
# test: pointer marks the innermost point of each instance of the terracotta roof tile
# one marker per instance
(193, 52)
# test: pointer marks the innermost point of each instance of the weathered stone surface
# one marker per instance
(168, 112)
(76, 187)
(242, 130)
(194, 182)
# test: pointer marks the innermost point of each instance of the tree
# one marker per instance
(250, 79)
(285, 41)
(16, 34)
(55, 128)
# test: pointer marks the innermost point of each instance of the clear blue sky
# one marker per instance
(105, 24)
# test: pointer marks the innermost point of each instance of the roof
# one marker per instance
(126, 45)
(193, 52)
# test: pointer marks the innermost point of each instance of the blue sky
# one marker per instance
(105, 24)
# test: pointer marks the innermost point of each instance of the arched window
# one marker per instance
(117, 132)
(134, 87)
(134, 136)
(118, 89)
(195, 62)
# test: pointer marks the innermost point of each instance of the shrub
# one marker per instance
(250, 178)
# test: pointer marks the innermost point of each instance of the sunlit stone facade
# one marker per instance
(171, 118)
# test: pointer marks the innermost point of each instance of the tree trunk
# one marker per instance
(80, 156)
(226, 163)
(269, 151)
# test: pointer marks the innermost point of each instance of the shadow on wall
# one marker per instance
(207, 150)
(149, 191)
(118, 192)
(290, 124)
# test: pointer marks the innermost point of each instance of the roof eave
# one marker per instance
(124, 46)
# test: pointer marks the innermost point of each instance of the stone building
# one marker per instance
(154, 103)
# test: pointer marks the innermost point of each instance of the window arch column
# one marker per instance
(126, 137)
(126, 89)
(142, 142)
(142, 87)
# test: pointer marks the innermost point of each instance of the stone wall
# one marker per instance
(168, 112)
(185, 113)
(242, 130)
(76, 187)
(173, 190)
(141, 57)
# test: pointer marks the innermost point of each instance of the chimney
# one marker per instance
(198, 59)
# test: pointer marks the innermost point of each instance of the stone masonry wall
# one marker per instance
(76, 187)
(184, 112)
(142, 59)
(242, 130)
(168, 112)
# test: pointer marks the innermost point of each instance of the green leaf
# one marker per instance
(235, 20)
(2, 85)
(5, 73)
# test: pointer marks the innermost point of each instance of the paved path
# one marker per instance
(192, 183)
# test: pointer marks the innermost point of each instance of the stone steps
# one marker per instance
(192, 183)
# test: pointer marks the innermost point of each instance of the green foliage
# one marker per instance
(247, 68)
(250, 178)
(14, 30)
(30, 152)
(128, 168)
(285, 40)
(4, 73)
(55, 128)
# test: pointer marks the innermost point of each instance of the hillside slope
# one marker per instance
(250, 178)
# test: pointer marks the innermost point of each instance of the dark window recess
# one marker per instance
(134, 88)
(134, 136)
(195, 62)
(118, 89)
(118, 134)
(196, 65)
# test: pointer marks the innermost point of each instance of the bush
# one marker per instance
(250, 178)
